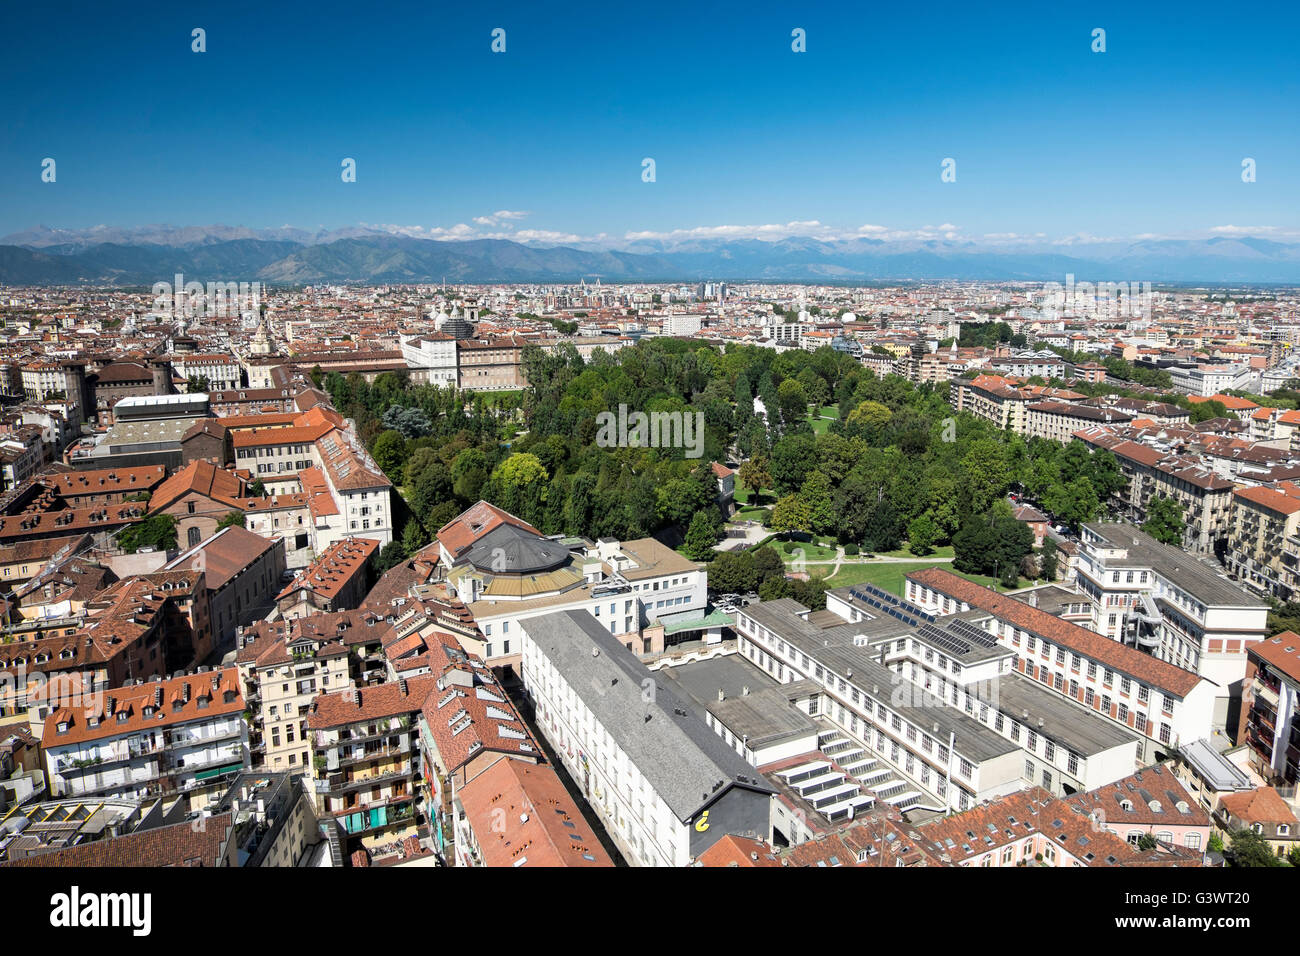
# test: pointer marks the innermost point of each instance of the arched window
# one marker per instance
(194, 536)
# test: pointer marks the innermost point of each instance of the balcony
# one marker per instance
(338, 783)
(358, 755)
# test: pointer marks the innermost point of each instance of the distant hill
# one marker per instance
(288, 256)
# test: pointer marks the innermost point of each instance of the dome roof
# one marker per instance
(511, 550)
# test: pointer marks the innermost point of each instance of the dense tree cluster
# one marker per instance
(896, 464)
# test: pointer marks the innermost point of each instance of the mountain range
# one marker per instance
(288, 256)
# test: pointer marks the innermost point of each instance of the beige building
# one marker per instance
(1058, 421)
(1263, 521)
(281, 671)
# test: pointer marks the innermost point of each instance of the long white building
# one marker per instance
(665, 786)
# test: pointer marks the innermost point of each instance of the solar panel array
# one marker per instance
(972, 633)
(939, 637)
(883, 600)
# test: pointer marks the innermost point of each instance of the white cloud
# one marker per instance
(502, 217)
(810, 228)
(1274, 231)
(502, 225)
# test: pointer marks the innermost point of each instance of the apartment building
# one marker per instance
(1151, 802)
(23, 560)
(252, 401)
(365, 760)
(269, 445)
(109, 486)
(1058, 421)
(1170, 604)
(1161, 703)
(176, 736)
(992, 398)
(281, 670)
(663, 784)
(1204, 496)
(1032, 828)
(1263, 520)
(519, 814)
(335, 581)
(467, 727)
(1270, 713)
(1265, 813)
(223, 372)
(242, 572)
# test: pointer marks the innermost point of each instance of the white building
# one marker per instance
(147, 739)
(1163, 704)
(435, 355)
(663, 784)
(1210, 380)
(1170, 604)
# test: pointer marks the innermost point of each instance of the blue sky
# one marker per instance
(847, 138)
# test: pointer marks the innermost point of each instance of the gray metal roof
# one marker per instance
(1194, 575)
(508, 549)
(685, 762)
(1213, 767)
(833, 648)
(1068, 725)
(752, 705)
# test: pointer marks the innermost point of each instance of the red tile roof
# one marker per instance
(522, 816)
(1117, 656)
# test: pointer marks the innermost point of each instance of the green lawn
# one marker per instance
(944, 551)
(821, 419)
(811, 552)
(892, 576)
(752, 513)
(742, 495)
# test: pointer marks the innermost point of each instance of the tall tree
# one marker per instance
(1165, 521)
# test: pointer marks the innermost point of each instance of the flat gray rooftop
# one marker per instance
(1194, 575)
(753, 705)
(1068, 725)
(678, 754)
(1214, 768)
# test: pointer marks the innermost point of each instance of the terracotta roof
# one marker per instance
(1154, 784)
(358, 704)
(181, 844)
(1262, 805)
(1282, 652)
(224, 555)
(732, 850)
(461, 532)
(169, 702)
(522, 816)
(1268, 498)
(199, 477)
(1117, 656)
(334, 569)
(105, 480)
